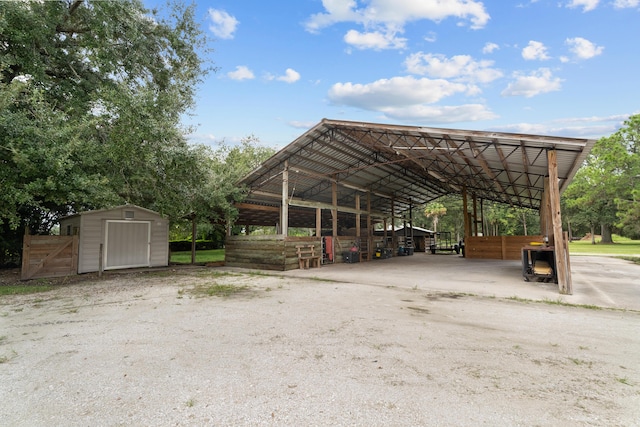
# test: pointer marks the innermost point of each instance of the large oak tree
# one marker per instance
(605, 193)
(91, 99)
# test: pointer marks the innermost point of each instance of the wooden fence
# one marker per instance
(49, 256)
(497, 247)
(272, 252)
(275, 252)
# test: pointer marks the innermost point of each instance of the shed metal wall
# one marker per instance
(92, 234)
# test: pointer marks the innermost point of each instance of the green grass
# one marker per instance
(24, 289)
(621, 247)
(212, 255)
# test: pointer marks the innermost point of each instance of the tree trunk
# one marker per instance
(524, 223)
(194, 228)
(606, 234)
(593, 234)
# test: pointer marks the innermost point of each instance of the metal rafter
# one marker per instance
(414, 165)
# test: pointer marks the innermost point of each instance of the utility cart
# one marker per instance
(538, 263)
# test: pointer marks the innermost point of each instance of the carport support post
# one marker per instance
(393, 224)
(545, 209)
(284, 222)
(369, 232)
(475, 214)
(318, 222)
(334, 208)
(358, 216)
(482, 217)
(467, 226)
(411, 222)
(562, 255)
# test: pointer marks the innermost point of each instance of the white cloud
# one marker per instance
(241, 73)
(388, 17)
(490, 48)
(460, 67)
(301, 125)
(623, 4)
(536, 83)
(393, 93)
(374, 40)
(223, 25)
(583, 48)
(593, 127)
(290, 76)
(431, 37)
(408, 99)
(337, 11)
(440, 114)
(535, 50)
(586, 5)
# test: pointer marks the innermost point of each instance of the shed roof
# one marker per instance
(408, 166)
(101, 211)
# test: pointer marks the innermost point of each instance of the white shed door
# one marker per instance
(127, 244)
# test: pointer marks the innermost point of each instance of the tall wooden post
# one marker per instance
(393, 225)
(475, 214)
(561, 253)
(358, 216)
(482, 217)
(318, 222)
(384, 233)
(467, 226)
(411, 221)
(334, 210)
(369, 230)
(285, 200)
(545, 213)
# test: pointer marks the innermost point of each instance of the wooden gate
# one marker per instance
(49, 256)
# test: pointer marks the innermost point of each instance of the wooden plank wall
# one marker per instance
(49, 256)
(291, 255)
(497, 247)
(274, 252)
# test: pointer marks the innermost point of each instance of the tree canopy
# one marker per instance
(92, 94)
(605, 192)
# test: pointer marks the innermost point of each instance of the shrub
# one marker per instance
(201, 245)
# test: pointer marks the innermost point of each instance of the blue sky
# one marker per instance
(558, 67)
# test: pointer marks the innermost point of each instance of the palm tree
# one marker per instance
(434, 211)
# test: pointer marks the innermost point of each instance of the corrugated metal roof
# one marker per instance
(407, 166)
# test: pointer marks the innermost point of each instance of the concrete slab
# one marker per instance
(600, 281)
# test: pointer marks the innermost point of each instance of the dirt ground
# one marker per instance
(166, 348)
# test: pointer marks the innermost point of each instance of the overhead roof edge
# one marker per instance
(415, 163)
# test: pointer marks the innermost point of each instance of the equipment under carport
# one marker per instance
(351, 257)
(383, 253)
(538, 264)
(441, 241)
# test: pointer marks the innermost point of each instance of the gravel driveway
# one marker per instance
(217, 347)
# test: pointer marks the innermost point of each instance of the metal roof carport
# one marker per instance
(379, 171)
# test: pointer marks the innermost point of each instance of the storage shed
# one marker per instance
(122, 237)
